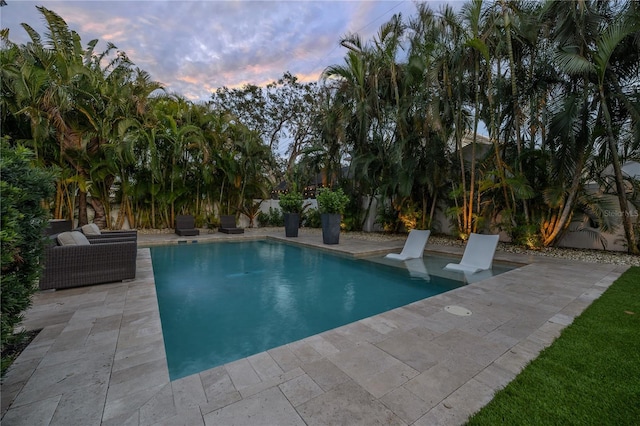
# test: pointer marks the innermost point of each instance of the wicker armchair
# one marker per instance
(228, 225)
(82, 265)
(186, 225)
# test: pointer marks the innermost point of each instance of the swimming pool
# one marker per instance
(224, 301)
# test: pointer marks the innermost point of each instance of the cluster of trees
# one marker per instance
(554, 85)
(112, 136)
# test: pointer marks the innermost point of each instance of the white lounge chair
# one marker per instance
(478, 254)
(413, 247)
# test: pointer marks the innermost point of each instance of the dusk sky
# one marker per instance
(194, 47)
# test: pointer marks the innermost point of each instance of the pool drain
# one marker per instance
(457, 310)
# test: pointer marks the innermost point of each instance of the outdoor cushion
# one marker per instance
(72, 238)
(91, 229)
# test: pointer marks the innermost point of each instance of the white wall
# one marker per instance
(266, 204)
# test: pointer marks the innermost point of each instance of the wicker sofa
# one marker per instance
(97, 262)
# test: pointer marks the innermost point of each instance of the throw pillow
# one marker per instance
(72, 238)
(91, 229)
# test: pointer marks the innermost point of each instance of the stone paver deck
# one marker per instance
(100, 357)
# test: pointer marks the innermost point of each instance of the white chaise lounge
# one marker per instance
(413, 247)
(478, 254)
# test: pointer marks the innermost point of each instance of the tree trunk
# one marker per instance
(472, 183)
(433, 210)
(425, 201)
(99, 218)
(514, 94)
(83, 218)
(493, 136)
(463, 178)
(153, 208)
(567, 210)
(366, 214)
(130, 216)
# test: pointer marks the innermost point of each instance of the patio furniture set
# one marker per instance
(87, 256)
(186, 225)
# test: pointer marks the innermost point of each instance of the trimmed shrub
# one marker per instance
(24, 220)
(291, 202)
(333, 202)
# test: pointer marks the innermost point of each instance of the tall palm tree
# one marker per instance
(254, 160)
(508, 18)
(626, 30)
(138, 89)
(461, 47)
(600, 56)
(67, 92)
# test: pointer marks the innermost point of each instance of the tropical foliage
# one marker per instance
(112, 136)
(554, 85)
(515, 115)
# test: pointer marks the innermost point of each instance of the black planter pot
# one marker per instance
(291, 224)
(330, 228)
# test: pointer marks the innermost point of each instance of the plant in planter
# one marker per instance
(331, 205)
(251, 210)
(291, 206)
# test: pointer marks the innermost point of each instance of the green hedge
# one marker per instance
(23, 189)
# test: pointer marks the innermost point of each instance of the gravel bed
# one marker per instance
(592, 256)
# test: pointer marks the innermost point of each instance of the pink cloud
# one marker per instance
(197, 46)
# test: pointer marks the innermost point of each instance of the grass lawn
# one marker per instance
(589, 376)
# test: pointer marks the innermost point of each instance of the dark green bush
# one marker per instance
(388, 218)
(330, 201)
(273, 218)
(23, 189)
(526, 235)
(311, 218)
(291, 202)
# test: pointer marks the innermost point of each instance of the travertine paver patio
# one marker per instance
(100, 358)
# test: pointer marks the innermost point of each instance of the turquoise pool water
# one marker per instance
(224, 301)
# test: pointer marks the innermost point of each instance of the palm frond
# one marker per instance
(573, 63)
(554, 196)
